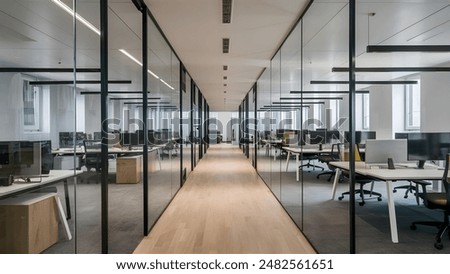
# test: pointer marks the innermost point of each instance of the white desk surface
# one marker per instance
(406, 171)
(53, 177)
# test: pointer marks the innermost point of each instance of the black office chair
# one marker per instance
(439, 201)
(343, 151)
(412, 187)
(327, 158)
(92, 156)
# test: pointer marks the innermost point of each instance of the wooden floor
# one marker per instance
(224, 207)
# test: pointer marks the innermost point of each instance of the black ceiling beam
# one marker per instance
(50, 70)
(111, 92)
(312, 98)
(80, 82)
(408, 48)
(124, 98)
(394, 69)
(152, 103)
(326, 92)
(395, 82)
(306, 103)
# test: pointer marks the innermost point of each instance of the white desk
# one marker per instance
(297, 151)
(388, 176)
(54, 176)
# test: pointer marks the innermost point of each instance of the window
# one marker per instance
(365, 111)
(30, 107)
(412, 107)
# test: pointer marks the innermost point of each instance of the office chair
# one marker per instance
(412, 187)
(92, 156)
(439, 201)
(327, 158)
(359, 179)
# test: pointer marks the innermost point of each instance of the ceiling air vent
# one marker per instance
(226, 11)
(225, 67)
(226, 45)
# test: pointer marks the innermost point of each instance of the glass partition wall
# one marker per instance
(305, 105)
(85, 125)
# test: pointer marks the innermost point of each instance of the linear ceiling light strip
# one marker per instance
(134, 59)
(77, 16)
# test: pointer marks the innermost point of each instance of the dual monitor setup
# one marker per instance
(24, 160)
(409, 146)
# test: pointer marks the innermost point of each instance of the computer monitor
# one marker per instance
(66, 139)
(46, 156)
(378, 151)
(361, 136)
(317, 137)
(333, 136)
(21, 158)
(29, 161)
(423, 146)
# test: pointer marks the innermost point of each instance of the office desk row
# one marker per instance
(388, 176)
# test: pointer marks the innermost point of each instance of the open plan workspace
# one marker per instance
(151, 126)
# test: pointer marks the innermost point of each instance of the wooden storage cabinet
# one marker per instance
(28, 223)
(128, 170)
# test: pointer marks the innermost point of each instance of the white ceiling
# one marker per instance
(195, 30)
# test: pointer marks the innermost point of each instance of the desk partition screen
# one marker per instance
(378, 151)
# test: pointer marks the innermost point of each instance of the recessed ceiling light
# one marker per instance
(225, 91)
(225, 78)
(227, 7)
(225, 67)
(224, 85)
(225, 45)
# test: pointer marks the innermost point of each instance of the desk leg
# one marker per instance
(66, 196)
(392, 216)
(335, 182)
(287, 160)
(63, 219)
(275, 154)
(297, 169)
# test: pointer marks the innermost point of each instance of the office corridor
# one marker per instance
(224, 207)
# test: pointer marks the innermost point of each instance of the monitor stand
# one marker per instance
(421, 164)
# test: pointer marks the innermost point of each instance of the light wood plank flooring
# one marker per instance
(224, 207)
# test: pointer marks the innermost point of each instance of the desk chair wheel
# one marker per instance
(362, 203)
(340, 198)
(379, 199)
(395, 190)
(438, 246)
(413, 227)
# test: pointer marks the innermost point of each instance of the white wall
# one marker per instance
(11, 106)
(434, 102)
(381, 104)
